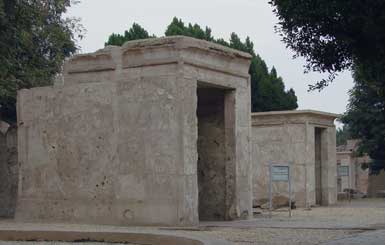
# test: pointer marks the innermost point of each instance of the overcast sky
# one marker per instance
(252, 18)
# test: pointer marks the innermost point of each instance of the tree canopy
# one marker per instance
(136, 32)
(35, 39)
(267, 88)
(338, 35)
(343, 135)
(365, 116)
(335, 35)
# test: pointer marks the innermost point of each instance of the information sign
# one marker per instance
(280, 173)
(343, 171)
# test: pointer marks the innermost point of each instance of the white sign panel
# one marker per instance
(280, 173)
(343, 171)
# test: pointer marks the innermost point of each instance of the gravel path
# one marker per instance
(62, 243)
(278, 236)
(341, 223)
(359, 214)
(358, 222)
(372, 238)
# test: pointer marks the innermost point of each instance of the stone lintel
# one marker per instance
(318, 118)
(162, 51)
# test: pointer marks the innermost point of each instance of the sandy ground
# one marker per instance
(355, 221)
(364, 213)
(278, 236)
(317, 226)
(62, 243)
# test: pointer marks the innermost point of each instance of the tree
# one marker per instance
(35, 39)
(344, 35)
(177, 27)
(136, 32)
(343, 135)
(267, 88)
(335, 35)
(365, 116)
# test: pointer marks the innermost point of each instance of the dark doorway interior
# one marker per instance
(318, 144)
(211, 154)
(9, 170)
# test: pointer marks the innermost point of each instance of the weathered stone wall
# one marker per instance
(278, 145)
(329, 169)
(358, 178)
(289, 137)
(8, 172)
(376, 186)
(117, 142)
(107, 150)
(361, 175)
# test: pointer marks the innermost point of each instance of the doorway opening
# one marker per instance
(339, 180)
(216, 167)
(319, 166)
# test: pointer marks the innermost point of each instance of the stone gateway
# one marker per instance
(152, 133)
(307, 141)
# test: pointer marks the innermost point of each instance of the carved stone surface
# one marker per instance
(116, 142)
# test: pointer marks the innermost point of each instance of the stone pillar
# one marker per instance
(243, 152)
(330, 162)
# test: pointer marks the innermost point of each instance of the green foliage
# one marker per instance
(343, 135)
(35, 39)
(136, 32)
(177, 27)
(267, 88)
(365, 116)
(335, 35)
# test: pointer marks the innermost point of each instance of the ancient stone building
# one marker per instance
(142, 134)
(304, 139)
(368, 180)
(358, 177)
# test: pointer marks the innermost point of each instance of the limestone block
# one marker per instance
(296, 133)
(243, 107)
(100, 61)
(243, 153)
(268, 134)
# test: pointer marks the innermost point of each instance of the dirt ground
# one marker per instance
(344, 223)
(316, 226)
(279, 236)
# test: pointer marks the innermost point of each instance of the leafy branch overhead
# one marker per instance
(267, 88)
(339, 35)
(35, 39)
(333, 36)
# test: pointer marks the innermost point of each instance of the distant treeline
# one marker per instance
(268, 91)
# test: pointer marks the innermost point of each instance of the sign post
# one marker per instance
(279, 173)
